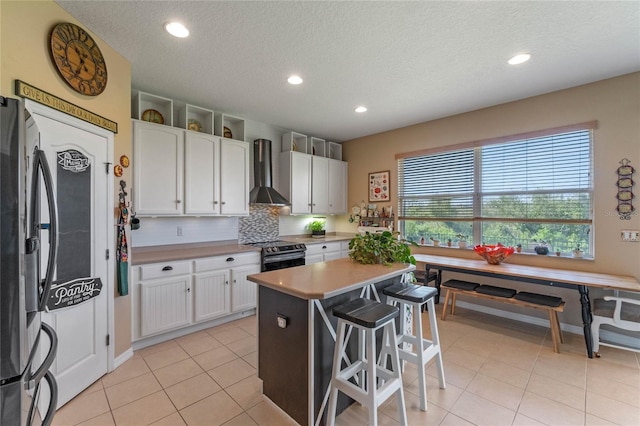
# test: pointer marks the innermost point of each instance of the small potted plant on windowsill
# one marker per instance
(541, 248)
(519, 248)
(577, 253)
(462, 240)
(317, 228)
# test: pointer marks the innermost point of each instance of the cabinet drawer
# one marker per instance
(322, 248)
(226, 261)
(162, 270)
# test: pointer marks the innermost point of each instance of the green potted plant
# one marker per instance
(519, 248)
(380, 248)
(462, 240)
(317, 228)
(577, 253)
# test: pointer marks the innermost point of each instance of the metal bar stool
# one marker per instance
(367, 316)
(416, 296)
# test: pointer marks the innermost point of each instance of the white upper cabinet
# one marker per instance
(295, 180)
(234, 177)
(158, 169)
(320, 185)
(202, 181)
(337, 187)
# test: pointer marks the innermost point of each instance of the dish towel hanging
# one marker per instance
(122, 254)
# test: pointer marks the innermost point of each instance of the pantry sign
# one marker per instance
(70, 293)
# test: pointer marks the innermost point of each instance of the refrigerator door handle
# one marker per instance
(35, 378)
(40, 162)
(53, 401)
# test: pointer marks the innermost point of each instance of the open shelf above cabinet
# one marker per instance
(145, 102)
(230, 127)
(197, 119)
(297, 142)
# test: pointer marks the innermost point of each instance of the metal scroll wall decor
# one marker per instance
(625, 189)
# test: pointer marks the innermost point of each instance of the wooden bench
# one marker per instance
(455, 287)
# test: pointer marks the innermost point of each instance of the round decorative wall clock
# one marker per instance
(78, 59)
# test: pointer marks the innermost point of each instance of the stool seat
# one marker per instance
(365, 312)
(411, 292)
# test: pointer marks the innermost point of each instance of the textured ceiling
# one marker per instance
(408, 62)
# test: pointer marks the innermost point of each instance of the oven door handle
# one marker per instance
(283, 257)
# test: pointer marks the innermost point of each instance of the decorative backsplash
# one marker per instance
(262, 224)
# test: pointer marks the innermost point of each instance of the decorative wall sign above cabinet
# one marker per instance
(78, 59)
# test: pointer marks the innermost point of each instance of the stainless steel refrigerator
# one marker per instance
(27, 345)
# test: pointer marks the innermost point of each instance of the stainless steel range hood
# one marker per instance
(263, 194)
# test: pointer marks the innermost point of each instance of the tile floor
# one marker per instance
(498, 372)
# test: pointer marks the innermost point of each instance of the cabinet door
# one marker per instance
(158, 169)
(243, 291)
(337, 187)
(320, 185)
(234, 177)
(314, 258)
(211, 295)
(332, 256)
(165, 304)
(300, 183)
(201, 174)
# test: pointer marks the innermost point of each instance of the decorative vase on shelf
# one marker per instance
(542, 250)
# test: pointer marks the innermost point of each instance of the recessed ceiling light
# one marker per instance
(518, 59)
(361, 109)
(176, 29)
(294, 79)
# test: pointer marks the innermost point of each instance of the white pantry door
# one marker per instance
(77, 157)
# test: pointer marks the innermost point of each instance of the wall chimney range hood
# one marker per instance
(263, 193)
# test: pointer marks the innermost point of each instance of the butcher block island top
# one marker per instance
(327, 279)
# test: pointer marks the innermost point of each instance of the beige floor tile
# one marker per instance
(455, 374)
(157, 348)
(197, 343)
(612, 410)
(145, 410)
(131, 390)
(228, 335)
(232, 372)
(241, 420)
(453, 420)
(618, 356)
(96, 386)
(505, 373)
(433, 416)
(480, 346)
(517, 356)
(591, 420)
(464, 357)
(558, 391)
(481, 411)
(252, 359)
(443, 398)
(174, 419)
(622, 392)
(358, 415)
(549, 412)
(131, 368)
(496, 391)
(82, 408)
(211, 411)
(244, 346)
(215, 358)
(615, 372)
(192, 390)
(157, 360)
(566, 368)
(105, 419)
(247, 392)
(174, 373)
(248, 324)
(266, 414)
(522, 420)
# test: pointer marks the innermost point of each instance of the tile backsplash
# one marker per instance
(262, 224)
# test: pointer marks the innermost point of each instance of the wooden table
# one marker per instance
(576, 280)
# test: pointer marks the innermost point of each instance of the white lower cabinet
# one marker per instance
(171, 295)
(322, 252)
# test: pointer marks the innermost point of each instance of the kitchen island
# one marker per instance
(296, 329)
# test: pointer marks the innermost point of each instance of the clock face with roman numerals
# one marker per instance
(78, 59)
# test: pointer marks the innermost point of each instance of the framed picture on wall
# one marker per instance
(379, 186)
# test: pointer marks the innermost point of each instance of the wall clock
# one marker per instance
(78, 59)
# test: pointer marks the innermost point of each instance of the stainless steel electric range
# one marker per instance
(280, 254)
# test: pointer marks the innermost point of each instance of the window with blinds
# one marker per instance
(520, 191)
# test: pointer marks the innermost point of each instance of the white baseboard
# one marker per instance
(606, 335)
(122, 358)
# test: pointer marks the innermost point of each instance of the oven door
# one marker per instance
(281, 261)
